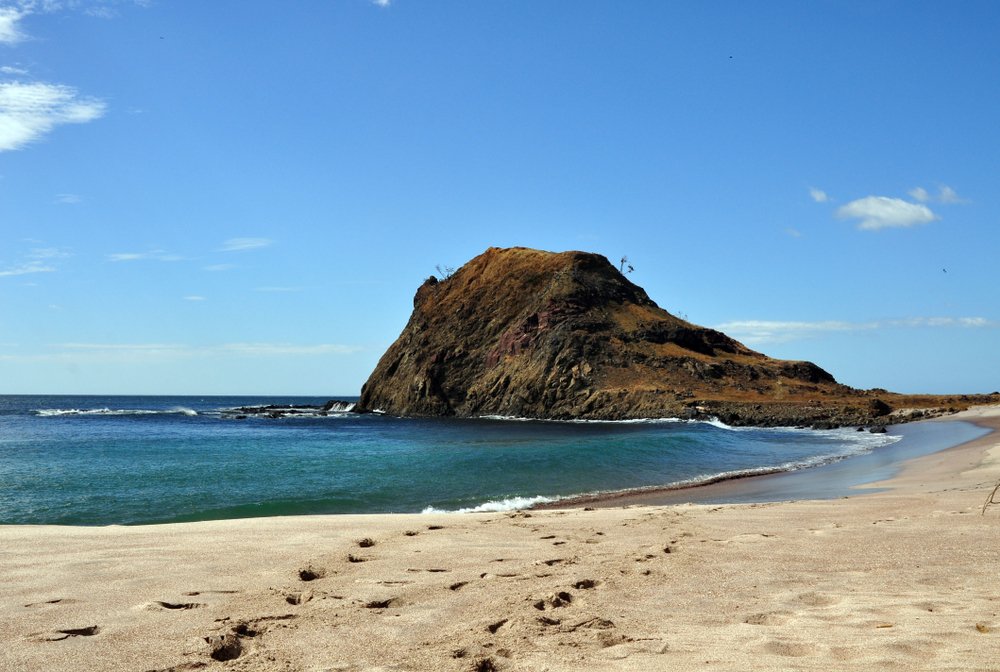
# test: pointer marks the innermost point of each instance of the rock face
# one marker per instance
(521, 332)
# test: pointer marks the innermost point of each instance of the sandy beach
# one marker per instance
(905, 579)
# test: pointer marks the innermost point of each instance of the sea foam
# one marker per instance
(493, 506)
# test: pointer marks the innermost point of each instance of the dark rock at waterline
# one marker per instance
(879, 407)
(278, 411)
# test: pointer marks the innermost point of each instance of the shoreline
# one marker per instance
(841, 478)
(902, 579)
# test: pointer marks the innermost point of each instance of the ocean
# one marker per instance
(90, 460)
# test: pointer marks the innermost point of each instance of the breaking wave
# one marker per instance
(493, 506)
(58, 412)
(715, 422)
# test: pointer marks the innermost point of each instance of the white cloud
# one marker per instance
(945, 195)
(818, 195)
(968, 322)
(68, 199)
(10, 32)
(101, 12)
(30, 111)
(757, 332)
(240, 244)
(37, 260)
(194, 297)
(26, 269)
(880, 212)
(948, 195)
(48, 253)
(12, 70)
(765, 331)
(155, 255)
(382, 3)
(128, 256)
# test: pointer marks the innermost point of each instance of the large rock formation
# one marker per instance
(521, 332)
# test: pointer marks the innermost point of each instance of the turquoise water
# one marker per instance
(129, 460)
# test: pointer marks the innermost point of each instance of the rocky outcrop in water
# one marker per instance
(527, 333)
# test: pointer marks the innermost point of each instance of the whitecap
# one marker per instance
(492, 506)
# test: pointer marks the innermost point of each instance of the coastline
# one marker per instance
(852, 475)
(901, 579)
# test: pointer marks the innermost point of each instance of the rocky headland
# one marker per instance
(527, 333)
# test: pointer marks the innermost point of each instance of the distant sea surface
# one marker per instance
(87, 460)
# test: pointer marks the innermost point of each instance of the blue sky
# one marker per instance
(242, 197)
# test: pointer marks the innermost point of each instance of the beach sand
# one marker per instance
(905, 579)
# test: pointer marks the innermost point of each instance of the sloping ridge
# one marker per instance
(528, 333)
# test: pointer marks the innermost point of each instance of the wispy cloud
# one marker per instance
(48, 253)
(382, 3)
(241, 244)
(756, 332)
(881, 212)
(68, 199)
(153, 255)
(101, 12)
(216, 268)
(793, 232)
(10, 31)
(26, 269)
(948, 195)
(12, 70)
(29, 111)
(194, 297)
(945, 195)
(818, 195)
(37, 260)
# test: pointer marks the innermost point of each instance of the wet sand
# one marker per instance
(901, 579)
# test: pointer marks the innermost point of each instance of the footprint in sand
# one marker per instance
(382, 604)
(560, 599)
(311, 573)
(59, 635)
(60, 600)
(493, 627)
(224, 647)
(299, 598)
(158, 605)
(233, 644)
